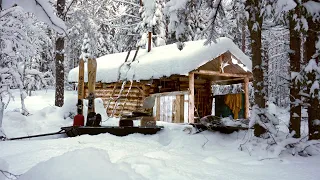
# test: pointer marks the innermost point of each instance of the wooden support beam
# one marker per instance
(191, 98)
(81, 93)
(173, 93)
(158, 108)
(246, 97)
(179, 109)
(215, 73)
(228, 80)
(220, 63)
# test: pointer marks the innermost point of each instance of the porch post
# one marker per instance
(158, 108)
(191, 97)
(179, 109)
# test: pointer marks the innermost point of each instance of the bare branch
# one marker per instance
(133, 4)
(68, 8)
(9, 175)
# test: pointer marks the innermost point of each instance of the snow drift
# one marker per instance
(83, 164)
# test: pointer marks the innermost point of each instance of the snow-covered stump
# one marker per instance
(263, 122)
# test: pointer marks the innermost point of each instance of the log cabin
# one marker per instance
(180, 81)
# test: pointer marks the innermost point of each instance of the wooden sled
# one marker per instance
(73, 131)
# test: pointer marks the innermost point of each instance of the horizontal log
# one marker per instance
(216, 73)
(173, 93)
(151, 91)
(117, 113)
(109, 95)
(137, 103)
(130, 109)
(229, 80)
(120, 113)
(122, 95)
(129, 99)
(130, 103)
(137, 96)
(112, 104)
(127, 85)
(125, 107)
(196, 86)
(184, 80)
(196, 81)
(125, 111)
(109, 90)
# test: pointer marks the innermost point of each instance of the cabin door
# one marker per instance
(172, 109)
(166, 108)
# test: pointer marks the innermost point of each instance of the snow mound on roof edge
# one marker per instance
(162, 61)
(83, 164)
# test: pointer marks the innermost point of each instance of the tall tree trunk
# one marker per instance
(254, 24)
(265, 66)
(243, 37)
(295, 59)
(59, 60)
(314, 104)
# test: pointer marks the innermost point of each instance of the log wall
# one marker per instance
(119, 102)
(133, 100)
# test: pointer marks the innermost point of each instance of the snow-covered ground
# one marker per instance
(173, 153)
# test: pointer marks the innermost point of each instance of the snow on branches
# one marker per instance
(153, 21)
(86, 52)
(41, 8)
(176, 10)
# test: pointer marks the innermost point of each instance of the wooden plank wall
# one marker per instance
(202, 98)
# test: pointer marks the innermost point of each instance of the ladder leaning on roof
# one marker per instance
(119, 97)
(115, 86)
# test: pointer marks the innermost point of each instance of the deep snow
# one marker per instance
(173, 153)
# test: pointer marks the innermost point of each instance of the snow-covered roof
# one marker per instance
(163, 61)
